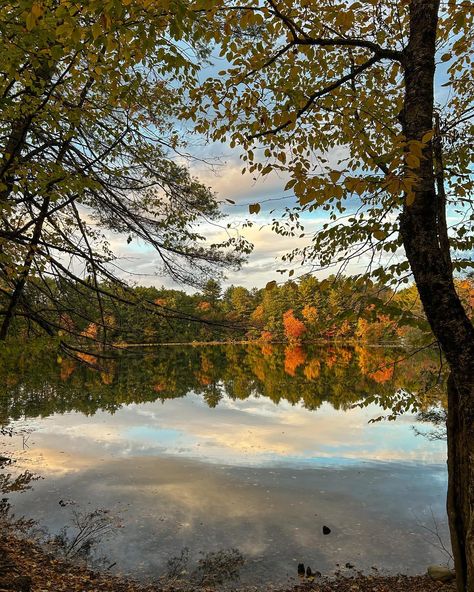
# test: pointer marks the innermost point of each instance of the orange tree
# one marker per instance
(293, 327)
(340, 96)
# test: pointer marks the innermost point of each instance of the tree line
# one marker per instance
(340, 308)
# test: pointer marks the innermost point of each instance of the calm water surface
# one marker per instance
(255, 448)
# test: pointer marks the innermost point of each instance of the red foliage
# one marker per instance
(465, 289)
(87, 358)
(66, 322)
(310, 313)
(294, 328)
(90, 331)
(266, 336)
(204, 305)
(204, 375)
(267, 349)
(258, 314)
(294, 357)
(382, 374)
(67, 368)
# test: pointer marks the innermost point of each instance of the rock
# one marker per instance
(326, 530)
(440, 573)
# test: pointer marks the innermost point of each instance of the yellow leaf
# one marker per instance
(410, 197)
(37, 9)
(254, 208)
(379, 234)
(412, 161)
(415, 147)
(392, 184)
(309, 196)
(351, 183)
(30, 21)
(427, 137)
(96, 30)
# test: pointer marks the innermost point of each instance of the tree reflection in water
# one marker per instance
(34, 382)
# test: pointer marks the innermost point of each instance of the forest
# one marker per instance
(304, 311)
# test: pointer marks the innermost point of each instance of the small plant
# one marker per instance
(176, 566)
(214, 568)
(10, 484)
(218, 567)
(87, 529)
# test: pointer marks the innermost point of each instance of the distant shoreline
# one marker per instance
(340, 342)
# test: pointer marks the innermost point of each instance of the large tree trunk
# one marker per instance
(426, 242)
(461, 479)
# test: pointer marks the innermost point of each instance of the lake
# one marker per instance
(249, 447)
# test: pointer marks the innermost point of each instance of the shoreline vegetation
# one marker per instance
(338, 310)
(335, 342)
(48, 573)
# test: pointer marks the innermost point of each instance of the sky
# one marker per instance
(219, 167)
(226, 180)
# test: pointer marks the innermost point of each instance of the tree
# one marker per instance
(212, 292)
(293, 327)
(239, 302)
(341, 96)
(87, 150)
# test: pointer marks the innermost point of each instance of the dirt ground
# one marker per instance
(26, 567)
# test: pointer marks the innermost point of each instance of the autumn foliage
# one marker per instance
(295, 356)
(293, 327)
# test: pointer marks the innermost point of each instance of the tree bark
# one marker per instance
(426, 241)
(461, 482)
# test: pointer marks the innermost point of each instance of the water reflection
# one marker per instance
(253, 447)
(250, 432)
(39, 385)
(273, 515)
